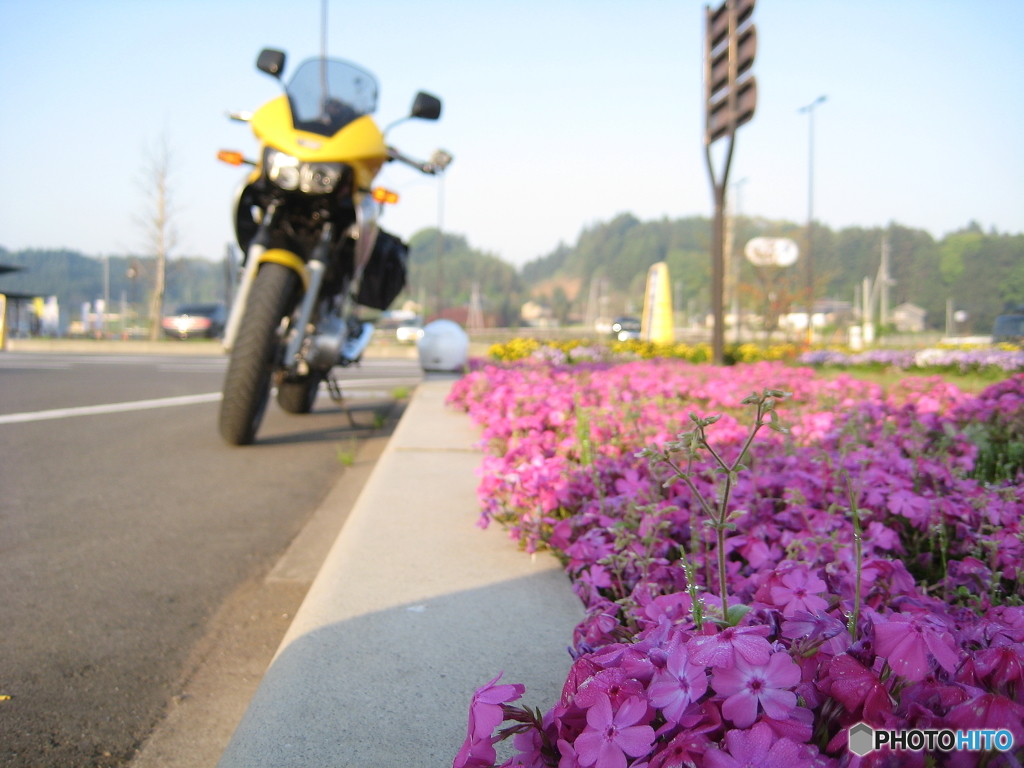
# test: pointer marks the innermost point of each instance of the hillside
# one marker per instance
(501, 288)
(75, 278)
(982, 272)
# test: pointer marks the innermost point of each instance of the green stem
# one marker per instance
(855, 618)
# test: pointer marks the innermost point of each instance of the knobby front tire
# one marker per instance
(247, 384)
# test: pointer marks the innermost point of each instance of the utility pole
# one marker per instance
(475, 317)
(440, 243)
(730, 96)
(106, 294)
(733, 261)
(884, 282)
(809, 257)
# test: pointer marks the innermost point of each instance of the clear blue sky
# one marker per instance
(559, 113)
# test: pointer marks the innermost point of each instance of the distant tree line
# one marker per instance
(75, 278)
(982, 272)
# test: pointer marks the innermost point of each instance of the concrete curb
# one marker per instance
(413, 609)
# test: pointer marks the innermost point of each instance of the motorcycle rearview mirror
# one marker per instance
(271, 62)
(425, 107)
(440, 160)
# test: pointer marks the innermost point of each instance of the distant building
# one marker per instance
(909, 318)
(537, 316)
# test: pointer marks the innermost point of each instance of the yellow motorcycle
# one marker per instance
(306, 220)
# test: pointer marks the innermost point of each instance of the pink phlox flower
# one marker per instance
(561, 534)
(856, 687)
(879, 536)
(581, 670)
(745, 686)
(476, 754)
(760, 554)
(903, 641)
(642, 660)
(799, 592)
(567, 754)
(486, 708)
(613, 684)
(528, 746)
(885, 579)
(923, 700)
(798, 727)
(601, 619)
(675, 606)
(610, 736)
(910, 505)
(721, 650)
(989, 711)
(632, 484)
(757, 748)
(596, 576)
(683, 751)
(819, 629)
(680, 683)
(485, 714)
(1003, 665)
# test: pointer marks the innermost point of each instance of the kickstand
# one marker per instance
(335, 391)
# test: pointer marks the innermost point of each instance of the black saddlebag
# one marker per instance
(385, 272)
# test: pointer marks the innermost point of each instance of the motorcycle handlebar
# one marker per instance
(437, 163)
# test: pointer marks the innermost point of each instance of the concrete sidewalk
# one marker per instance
(413, 609)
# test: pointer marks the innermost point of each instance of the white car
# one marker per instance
(409, 331)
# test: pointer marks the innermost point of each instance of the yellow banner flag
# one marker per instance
(656, 323)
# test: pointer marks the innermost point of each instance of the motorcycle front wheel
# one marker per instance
(272, 298)
(298, 396)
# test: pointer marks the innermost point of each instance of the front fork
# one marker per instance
(252, 265)
(365, 235)
(315, 268)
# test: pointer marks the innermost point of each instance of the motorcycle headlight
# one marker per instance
(312, 178)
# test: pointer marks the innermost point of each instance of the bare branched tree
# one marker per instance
(157, 222)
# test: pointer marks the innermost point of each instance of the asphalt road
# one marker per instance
(122, 532)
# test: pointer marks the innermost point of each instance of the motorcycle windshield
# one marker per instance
(326, 95)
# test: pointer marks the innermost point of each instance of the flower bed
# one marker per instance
(995, 360)
(872, 561)
(585, 350)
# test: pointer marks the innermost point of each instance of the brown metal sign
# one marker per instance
(730, 48)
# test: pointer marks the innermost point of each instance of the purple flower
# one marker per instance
(680, 683)
(757, 748)
(729, 645)
(485, 714)
(609, 737)
(799, 593)
(903, 641)
(746, 685)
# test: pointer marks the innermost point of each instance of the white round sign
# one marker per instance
(771, 252)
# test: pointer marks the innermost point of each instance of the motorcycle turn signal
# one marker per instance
(384, 196)
(233, 158)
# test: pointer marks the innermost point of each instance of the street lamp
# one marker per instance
(808, 256)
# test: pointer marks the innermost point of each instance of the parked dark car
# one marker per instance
(196, 321)
(625, 328)
(1009, 328)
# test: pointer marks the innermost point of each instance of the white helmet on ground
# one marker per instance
(444, 346)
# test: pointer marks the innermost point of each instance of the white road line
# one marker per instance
(20, 365)
(90, 410)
